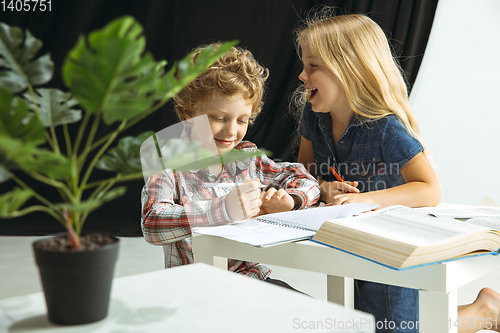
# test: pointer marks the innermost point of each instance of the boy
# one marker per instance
(230, 94)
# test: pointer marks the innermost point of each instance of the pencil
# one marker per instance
(229, 185)
(336, 174)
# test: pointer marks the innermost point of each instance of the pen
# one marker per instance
(336, 174)
(230, 185)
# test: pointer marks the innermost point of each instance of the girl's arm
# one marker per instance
(421, 188)
(328, 189)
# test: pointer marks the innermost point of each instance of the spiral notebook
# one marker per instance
(278, 228)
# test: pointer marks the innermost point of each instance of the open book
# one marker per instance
(402, 237)
(277, 228)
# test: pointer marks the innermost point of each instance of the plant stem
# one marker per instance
(131, 123)
(81, 131)
(54, 140)
(117, 179)
(98, 194)
(104, 187)
(93, 130)
(39, 209)
(53, 183)
(101, 151)
(36, 195)
(87, 149)
(74, 158)
(67, 139)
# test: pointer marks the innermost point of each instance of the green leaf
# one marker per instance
(32, 159)
(157, 155)
(125, 158)
(182, 155)
(55, 107)
(4, 174)
(184, 71)
(231, 156)
(17, 122)
(108, 73)
(92, 204)
(17, 67)
(6, 164)
(11, 201)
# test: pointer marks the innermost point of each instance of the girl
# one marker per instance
(357, 125)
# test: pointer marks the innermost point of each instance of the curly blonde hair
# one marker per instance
(235, 72)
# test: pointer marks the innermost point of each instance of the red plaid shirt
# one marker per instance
(172, 203)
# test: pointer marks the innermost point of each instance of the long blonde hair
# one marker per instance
(355, 49)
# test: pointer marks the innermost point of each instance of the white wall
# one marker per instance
(456, 99)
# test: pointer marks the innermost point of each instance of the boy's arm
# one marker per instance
(163, 221)
(292, 177)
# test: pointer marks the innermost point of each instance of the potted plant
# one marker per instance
(110, 79)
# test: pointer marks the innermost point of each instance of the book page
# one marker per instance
(488, 222)
(409, 225)
(461, 211)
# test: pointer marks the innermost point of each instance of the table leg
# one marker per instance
(438, 311)
(219, 262)
(340, 290)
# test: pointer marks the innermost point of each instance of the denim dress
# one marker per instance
(371, 152)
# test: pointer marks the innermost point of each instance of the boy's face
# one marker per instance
(228, 117)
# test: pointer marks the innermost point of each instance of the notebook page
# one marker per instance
(255, 233)
(260, 232)
(312, 218)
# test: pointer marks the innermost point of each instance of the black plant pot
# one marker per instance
(77, 285)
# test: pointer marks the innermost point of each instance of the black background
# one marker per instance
(173, 28)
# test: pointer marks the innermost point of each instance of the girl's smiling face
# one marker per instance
(228, 117)
(325, 90)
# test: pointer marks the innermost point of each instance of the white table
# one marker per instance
(194, 298)
(437, 284)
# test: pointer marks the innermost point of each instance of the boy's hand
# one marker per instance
(329, 190)
(275, 201)
(245, 204)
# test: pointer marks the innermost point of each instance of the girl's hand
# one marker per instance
(331, 189)
(349, 198)
(275, 201)
(246, 203)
